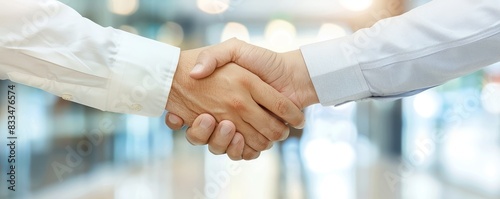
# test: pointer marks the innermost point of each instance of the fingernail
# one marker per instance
(225, 130)
(174, 120)
(235, 140)
(198, 68)
(302, 125)
(205, 123)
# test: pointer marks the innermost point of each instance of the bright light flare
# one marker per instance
(280, 34)
(213, 6)
(427, 104)
(330, 31)
(323, 156)
(356, 5)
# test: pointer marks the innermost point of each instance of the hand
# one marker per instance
(219, 142)
(286, 72)
(234, 94)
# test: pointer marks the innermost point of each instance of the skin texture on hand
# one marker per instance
(234, 94)
(286, 72)
(218, 142)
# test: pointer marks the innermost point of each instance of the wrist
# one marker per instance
(301, 78)
(183, 87)
(180, 82)
(175, 87)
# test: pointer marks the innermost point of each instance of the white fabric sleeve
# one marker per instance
(47, 45)
(425, 47)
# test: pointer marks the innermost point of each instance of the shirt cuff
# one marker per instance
(142, 75)
(335, 72)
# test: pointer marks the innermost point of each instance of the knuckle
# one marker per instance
(262, 144)
(234, 41)
(251, 155)
(282, 107)
(237, 104)
(204, 53)
(277, 133)
(246, 81)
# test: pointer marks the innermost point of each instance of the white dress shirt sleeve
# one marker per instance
(403, 55)
(47, 45)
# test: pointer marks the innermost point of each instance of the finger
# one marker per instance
(249, 153)
(253, 138)
(235, 148)
(200, 132)
(266, 124)
(216, 56)
(278, 104)
(254, 141)
(173, 121)
(271, 146)
(221, 137)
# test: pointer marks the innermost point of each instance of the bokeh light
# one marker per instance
(323, 156)
(123, 7)
(213, 6)
(427, 104)
(171, 33)
(233, 29)
(280, 34)
(489, 97)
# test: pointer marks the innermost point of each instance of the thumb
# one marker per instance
(201, 70)
(215, 56)
(173, 121)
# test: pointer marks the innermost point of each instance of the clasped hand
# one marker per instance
(236, 98)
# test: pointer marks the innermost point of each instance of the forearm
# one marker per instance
(417, 50)
(67, 55)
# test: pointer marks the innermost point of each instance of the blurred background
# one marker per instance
(442, 143)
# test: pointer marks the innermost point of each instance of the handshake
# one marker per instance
(239, 98)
